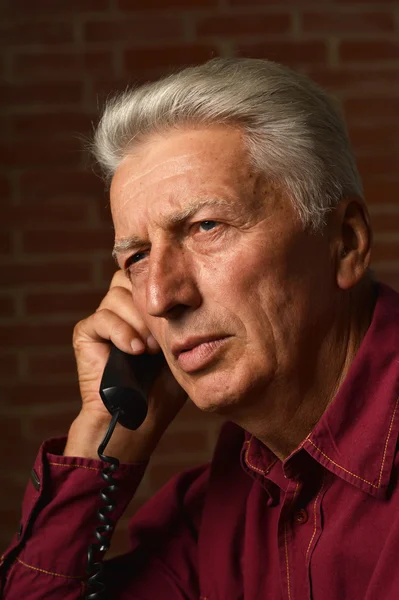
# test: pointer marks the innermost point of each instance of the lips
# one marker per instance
(192, 342)
(197, 354)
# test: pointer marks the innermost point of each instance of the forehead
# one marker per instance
(196, 157)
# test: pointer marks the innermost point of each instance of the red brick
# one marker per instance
(237, 25)
(288, 52)
(62, 241)
(5, 188)
(388, 277)
(32, 393)
(108, 268)
(273, 3)
(15, 33)
(368, 51)
(385, 251)
(53, 124)
(46, 7)
(381, 192)
(348, 79)
(58, 65)
(12, 429)
(381, 3)
(10, 516)
(7, 305)
(23, 450)
(10, 480)
(46, 426)
(128, 30)
(375, 135)
(180, 442)
(161, 4)
(5, 247)
(103, 213)
(41, 365)
(380, 107)
(60, 185)
(378, 165)
(62, 272)
(342, 22)
(109, 86)
(41, 93)
(66, 302)
(167, 56)
(41, 152)
(385, 223)
(43, 214)
(20, 335)
(9, 365)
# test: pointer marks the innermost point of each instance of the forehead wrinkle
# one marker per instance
(124, 188)
(175, 159)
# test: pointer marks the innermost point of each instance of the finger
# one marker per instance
(120, 279)
(103, 325)
(119, 300)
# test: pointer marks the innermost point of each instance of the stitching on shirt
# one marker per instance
(383, 457)
(262, 471)
(286, 562)
(75, 466)
(343, 468)
(315, 518)
(48, 572)
(386, 442)
(286, 544)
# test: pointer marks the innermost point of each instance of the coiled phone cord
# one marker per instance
(96, 551)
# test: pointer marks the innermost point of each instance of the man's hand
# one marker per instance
(117, 320)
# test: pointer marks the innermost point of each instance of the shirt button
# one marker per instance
(301, 516)
(35, 480)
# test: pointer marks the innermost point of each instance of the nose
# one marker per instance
(171, 283)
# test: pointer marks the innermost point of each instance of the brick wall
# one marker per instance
(60, 58)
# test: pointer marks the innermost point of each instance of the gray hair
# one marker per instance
(293, 130)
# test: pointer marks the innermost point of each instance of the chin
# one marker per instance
(218, 398)
(230, 394)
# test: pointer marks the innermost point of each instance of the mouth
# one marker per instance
(197, 354)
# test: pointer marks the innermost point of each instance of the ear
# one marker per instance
(354, 238)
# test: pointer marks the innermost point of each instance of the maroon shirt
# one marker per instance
(322, 525)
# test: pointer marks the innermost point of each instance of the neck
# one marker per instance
(293, 406)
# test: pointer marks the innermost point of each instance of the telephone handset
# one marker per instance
(126, 383)
(124, 389)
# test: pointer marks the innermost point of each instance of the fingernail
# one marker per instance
(152, 342)
(137, 345)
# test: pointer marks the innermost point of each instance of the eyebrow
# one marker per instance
(127, 244)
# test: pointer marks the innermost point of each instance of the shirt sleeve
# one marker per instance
(47, 558)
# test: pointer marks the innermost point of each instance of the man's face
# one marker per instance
(223, 265)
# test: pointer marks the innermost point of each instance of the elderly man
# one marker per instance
(243, 246)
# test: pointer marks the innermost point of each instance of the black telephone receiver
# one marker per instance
(124, 389)
(126, 383)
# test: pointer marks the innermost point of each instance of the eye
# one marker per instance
(135, 258)
(208, 225)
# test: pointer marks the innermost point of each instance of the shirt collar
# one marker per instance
(356, 437)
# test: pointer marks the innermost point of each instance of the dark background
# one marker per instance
(59, 60)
